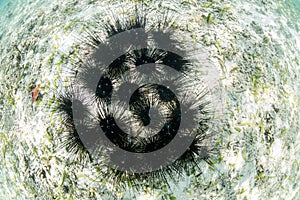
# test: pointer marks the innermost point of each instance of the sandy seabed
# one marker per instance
(255, 48)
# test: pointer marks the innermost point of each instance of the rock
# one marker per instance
(41, 12)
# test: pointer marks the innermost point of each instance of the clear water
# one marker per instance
(24, 159)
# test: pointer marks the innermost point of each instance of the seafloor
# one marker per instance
(255, 46)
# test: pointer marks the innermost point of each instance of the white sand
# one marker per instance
(254, 46)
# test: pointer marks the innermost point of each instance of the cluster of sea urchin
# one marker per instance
(139, 99)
